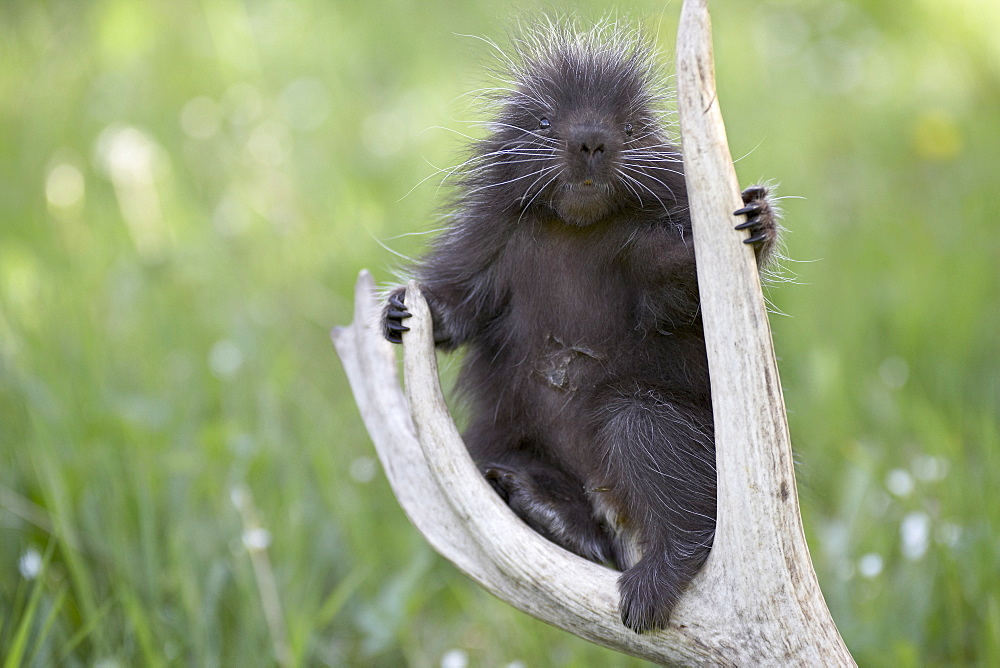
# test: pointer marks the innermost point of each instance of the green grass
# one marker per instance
(187, 192)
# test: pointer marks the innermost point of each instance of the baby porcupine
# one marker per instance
(567, 271)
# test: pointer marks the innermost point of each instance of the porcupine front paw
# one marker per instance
(393, 315)
(762, 222)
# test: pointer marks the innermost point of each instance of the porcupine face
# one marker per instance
(580, 132)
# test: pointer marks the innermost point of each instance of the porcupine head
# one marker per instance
(580, 130)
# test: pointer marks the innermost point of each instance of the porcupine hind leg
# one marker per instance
(660, 465)
(544, 495)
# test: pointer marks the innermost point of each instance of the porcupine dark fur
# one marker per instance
(567, 272)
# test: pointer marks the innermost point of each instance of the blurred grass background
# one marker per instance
(187, 192)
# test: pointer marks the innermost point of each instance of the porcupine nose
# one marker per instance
(592, 146)
(590, 143)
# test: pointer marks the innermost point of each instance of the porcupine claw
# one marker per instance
(392, 322)
(760, 221)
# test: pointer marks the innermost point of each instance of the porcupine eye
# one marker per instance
(544, 124)
(628, 129)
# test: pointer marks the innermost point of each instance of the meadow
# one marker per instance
(188, 190)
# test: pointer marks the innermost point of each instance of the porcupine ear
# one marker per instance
(757, 601)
